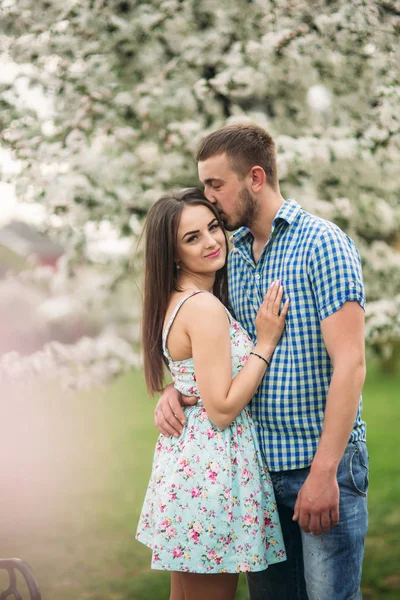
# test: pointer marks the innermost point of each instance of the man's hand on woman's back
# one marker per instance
(169, 417)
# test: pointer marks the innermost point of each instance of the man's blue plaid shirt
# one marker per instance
(320, 269)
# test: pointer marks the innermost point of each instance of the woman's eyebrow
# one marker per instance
(198, 230)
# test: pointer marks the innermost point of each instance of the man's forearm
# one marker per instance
(340, 413)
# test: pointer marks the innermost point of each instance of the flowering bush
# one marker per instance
(126, 90)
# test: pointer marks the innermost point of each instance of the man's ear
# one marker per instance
(258, 178)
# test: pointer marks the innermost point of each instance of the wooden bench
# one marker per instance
(12, 565)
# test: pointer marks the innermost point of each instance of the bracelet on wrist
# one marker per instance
(262, 358)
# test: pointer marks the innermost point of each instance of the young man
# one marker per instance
(308, 407)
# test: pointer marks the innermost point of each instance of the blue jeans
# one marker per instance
(328, 566)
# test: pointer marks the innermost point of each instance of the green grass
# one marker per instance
(74, 468)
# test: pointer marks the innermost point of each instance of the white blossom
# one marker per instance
(319, 98)
(87, 363)
(105, 104)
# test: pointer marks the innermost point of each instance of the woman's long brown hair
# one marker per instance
(161, 276)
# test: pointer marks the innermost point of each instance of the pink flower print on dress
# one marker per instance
(188, 471)
(171, 532)
(182, 463)
(212, 471)
(248, 519)
(196, 491)
(193, 535)
(203, 415)
(177, 552)
(212, 476)
(236, 492)
(267, 519)
(246, 476)
(166, 523)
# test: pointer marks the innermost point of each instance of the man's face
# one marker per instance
(228, 192)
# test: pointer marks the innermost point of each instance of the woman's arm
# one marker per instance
(207, 325)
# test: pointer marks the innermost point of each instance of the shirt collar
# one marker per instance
(288, 212)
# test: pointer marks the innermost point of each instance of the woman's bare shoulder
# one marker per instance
(197, 307)
(204, 302)
(198, 304)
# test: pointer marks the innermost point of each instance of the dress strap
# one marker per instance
(171, 320)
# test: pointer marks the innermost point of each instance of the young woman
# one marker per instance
(209, 511)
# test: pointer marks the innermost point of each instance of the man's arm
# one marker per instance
(169, 417)
(317, 505)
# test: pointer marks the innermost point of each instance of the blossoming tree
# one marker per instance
(130, 87)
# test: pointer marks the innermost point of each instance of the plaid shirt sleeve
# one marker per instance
(335, 272)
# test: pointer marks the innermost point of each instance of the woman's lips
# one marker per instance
(214, 254)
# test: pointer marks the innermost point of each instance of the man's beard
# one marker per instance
(248, 209)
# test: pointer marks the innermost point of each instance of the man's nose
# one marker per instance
(209, 196)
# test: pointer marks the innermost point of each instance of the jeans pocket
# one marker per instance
(358, 468)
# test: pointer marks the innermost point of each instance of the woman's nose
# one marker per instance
(209, 240)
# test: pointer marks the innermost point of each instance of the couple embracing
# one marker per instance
(261, 464)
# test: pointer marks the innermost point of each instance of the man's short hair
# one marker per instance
(246, 146)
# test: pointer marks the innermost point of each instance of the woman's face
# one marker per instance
(201, 244)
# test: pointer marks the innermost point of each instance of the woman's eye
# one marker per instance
(214, 227)
(192, 238)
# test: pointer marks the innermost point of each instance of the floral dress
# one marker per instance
(210, 505)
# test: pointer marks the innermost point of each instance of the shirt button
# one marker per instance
(352, 284)
(257, 276)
